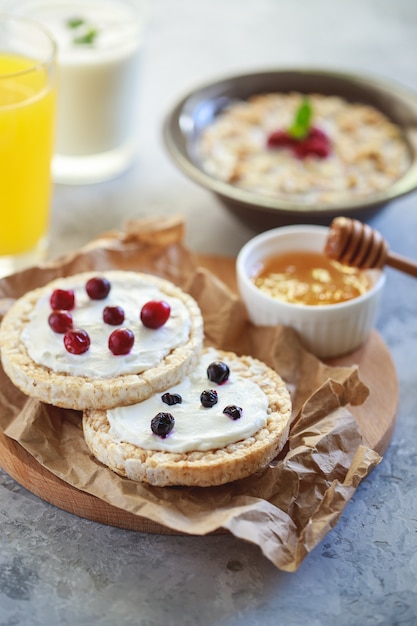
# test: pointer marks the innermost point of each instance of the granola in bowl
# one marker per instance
(364, 153)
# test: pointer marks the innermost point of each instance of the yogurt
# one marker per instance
(99, 51)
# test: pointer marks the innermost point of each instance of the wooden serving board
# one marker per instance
(376, 419)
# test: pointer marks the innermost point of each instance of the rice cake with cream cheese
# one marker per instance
(35, 359)
(205, 447)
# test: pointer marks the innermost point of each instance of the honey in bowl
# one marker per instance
(309, 278)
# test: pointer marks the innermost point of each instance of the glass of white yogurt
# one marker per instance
(99, 52)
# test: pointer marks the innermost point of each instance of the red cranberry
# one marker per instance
(113, 315)
(121, 341)
(76, 341)
(97, 288)
(280, 139)
(317, 133)
(62, 300)
(60, 321)
(316, 143)
(155, 313)
(318, 148)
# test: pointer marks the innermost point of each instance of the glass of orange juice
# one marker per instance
(27, 119)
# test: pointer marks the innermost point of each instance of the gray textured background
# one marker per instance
(58, 569)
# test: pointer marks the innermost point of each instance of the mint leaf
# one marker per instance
(302, 120)
(75, 22)
(84, 34)
(86, 39)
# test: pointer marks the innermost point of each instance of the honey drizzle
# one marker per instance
(309, 278)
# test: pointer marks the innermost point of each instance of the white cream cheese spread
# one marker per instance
(46, 347)
(196, 427)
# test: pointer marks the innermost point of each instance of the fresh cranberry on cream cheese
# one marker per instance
(46, 347)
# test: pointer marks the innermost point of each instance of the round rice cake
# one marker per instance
(206, 446)
(36, 360)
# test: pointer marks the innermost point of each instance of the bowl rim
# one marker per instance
(176, 142)
(283, 231)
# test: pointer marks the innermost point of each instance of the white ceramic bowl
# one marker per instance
(326, 330)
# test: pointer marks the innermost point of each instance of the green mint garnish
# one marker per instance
(75, 22)
(86, 39)
(302, 120)
(84, 34)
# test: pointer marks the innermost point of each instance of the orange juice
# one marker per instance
(27, 104)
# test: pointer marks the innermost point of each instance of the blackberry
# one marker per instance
(171, 398)
(233, 411)
(208, 398)
(218, 372)
(162, 424)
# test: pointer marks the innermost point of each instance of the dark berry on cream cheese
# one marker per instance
(171, 398)
(218, 372)
(233, 411)
(208, 398)
(162, 424)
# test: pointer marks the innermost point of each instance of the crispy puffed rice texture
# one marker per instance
(200, 469)
(78, 392)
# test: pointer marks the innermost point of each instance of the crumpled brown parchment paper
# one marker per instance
(285, 509)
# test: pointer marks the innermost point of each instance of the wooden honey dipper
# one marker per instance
(353, 243)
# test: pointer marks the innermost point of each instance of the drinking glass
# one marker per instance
(27, 115)
(99, 55)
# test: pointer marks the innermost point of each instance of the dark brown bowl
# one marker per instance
(198, 108)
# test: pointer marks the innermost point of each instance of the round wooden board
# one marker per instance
(376, 419)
